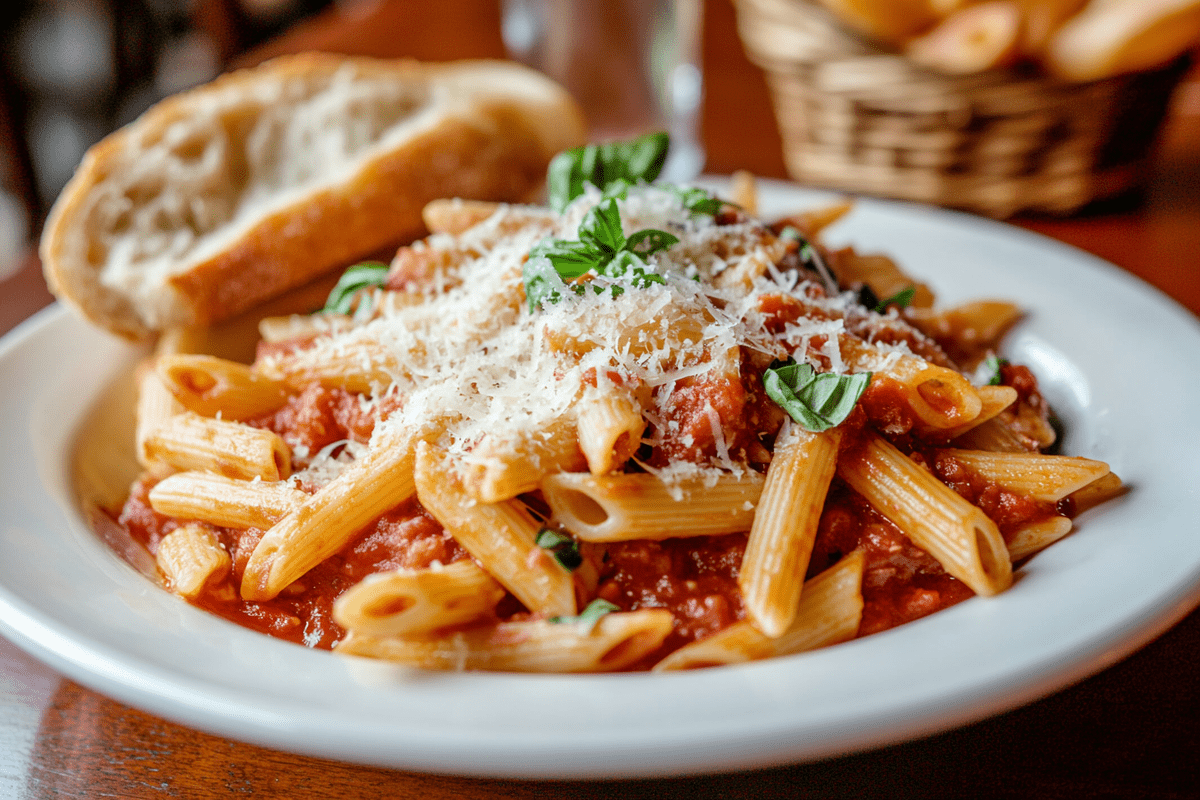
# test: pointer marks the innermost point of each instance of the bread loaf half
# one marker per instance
(228, 194)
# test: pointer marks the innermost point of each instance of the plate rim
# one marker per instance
(93, 664)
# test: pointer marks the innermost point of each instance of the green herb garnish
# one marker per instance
(564, 549)
(902, 298)
(602, 248)
(590, 615)
(613, 166)
(697, 200)
(817, 401)
(993, 363)
(366, 275)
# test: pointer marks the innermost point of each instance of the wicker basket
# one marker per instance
(860, 119)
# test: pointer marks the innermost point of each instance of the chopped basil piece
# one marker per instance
(697, 200)
(602, 248)
(816, 401)
(361, 276)
(615, 165)
(902, 298)
(650, 241)
(564, 549)
(993, 363)
(590, 615)
(542, 283)
(791, 233)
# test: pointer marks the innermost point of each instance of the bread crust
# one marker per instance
(492, 128)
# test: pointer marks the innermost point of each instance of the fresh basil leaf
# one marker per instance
(616, 190)
(641, 159)
(697, 200)
(564, 549)
(791, 233)
(360, 276)
(622, 262)
(601, 228)
(615, 164)
(570, 258)
(993, 363)
(543, 284)
(902, 298)
(590, 615)
(816, 401)
(649, 241)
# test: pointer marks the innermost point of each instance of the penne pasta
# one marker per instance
(613, 435)
(785, 526)
(408, 602)
(1036, 536)
(609, 425)
(210, 386)
(501, 536)
(228, 502)
(500, 468)
(329, 519)
(617, 641)
(960, 536)
(829, 611)
(613, 508)
(192, 559)
(189, 441)
(1037, 476)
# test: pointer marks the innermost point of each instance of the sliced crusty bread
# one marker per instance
(231, 193)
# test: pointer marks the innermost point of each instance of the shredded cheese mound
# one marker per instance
(471, 361)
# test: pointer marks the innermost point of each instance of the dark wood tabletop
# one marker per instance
(1130, 731)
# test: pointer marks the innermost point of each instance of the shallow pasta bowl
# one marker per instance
(1130, 569)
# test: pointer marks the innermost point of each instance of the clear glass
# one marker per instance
(633, 65)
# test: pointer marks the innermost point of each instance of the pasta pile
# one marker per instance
(650, 431)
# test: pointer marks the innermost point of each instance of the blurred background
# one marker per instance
(73, 70)
(988, 105)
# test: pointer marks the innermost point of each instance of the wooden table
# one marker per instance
(1131, 731)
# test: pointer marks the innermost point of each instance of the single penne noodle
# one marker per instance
(743, 191)
(829, 612)
(609, 425)
(330, 519)
(940, 398)
(189, 441)
(191, 559)
(785, 525)
(500, 536)
(974, 326)
(453, 216)
(616, 641)
(208, 385)
(223, 501)
(356, 368)
(991, 435)
(624, 506)
(405, 602)
(812, 222)
(1029, 539)
(1101, 490)
(880, 273)
(155, 405)
(939, 521)
(994, 398)
(502, 467)
(1040, 477)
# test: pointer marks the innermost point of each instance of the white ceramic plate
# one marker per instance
(1118, 360)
